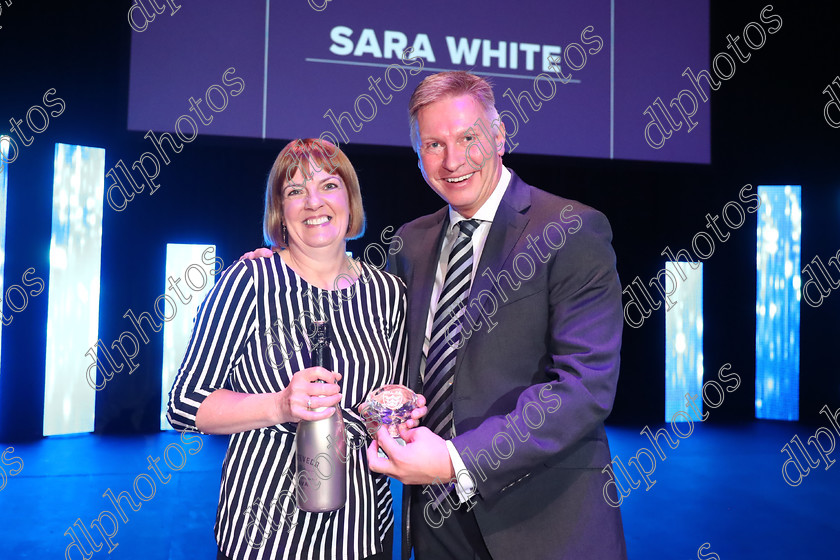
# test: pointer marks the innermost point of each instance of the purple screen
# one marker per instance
(340, 72)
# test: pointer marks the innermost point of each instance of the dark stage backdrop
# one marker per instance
(528, 55)
(767, 127)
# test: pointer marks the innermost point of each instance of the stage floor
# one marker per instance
(722, 485)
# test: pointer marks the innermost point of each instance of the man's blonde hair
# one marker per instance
(449, 84)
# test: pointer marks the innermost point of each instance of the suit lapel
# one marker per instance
(507, 228)
(423, 281)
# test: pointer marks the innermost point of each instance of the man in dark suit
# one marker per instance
(508, 465)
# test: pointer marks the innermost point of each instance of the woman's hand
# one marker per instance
(300, 399)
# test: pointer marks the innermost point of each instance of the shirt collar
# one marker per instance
(488, 210)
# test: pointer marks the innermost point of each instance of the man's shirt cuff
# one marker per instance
(463, 485)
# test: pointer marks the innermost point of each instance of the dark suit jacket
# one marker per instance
(553, 341)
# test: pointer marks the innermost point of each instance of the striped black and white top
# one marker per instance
(249, 337)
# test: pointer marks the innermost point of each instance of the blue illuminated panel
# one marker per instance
(777, 303)
(73, 312)
(683, 338)
(188, 270)
(4, 175)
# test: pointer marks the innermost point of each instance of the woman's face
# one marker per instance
(316, 211)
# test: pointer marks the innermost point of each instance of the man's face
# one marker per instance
(457, 158)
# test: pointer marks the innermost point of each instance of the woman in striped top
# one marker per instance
(246, 371)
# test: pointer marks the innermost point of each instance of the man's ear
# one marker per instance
(500, 138)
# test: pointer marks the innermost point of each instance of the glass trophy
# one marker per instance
(391, 405)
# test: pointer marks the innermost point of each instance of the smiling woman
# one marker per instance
(239, 379)
(311, 185)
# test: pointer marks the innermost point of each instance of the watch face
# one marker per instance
(391, 405)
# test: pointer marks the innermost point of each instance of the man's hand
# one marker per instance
(373, 425)
(257, 253)
(423, 460)
(418, 413)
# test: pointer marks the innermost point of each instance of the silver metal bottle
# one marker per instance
(321, 447)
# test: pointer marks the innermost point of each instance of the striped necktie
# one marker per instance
(446, 332)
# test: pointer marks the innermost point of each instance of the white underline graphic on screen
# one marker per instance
(430, 69)
(265, 68)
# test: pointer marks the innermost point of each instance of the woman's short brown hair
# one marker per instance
(302, 154)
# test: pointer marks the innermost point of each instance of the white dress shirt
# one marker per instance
(485, 216)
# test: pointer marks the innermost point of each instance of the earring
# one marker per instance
(285, 235)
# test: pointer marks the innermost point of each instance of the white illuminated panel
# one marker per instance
(188, 279)
(683, 339)
(73, 312)
(778, 256)
(4, 175)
